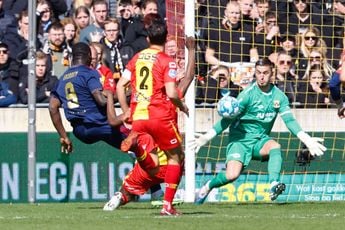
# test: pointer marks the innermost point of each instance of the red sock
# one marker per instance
(172, 179)
(145, 160)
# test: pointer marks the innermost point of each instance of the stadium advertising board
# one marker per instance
(95, 172)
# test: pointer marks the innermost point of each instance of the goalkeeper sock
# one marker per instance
(274, 164)
(172, 179)
(219, 181)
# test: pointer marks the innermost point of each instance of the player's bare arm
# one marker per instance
(190, 69)
(113, 120)
(172, 93)
(54, 105)
(99, 97)
(121, 87)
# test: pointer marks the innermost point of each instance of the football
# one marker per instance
(228, 107)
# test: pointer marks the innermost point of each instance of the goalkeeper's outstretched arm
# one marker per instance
(202, 140)
(313, 143)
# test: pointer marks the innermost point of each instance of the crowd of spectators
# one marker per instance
(304, 38)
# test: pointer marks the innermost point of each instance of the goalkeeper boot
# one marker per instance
(277, 188)
(114, 202)
(202, 194)
(169, 210)
(157, 198)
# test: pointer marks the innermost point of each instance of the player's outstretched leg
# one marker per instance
(202, 194)
(277, 188)
(114, 202)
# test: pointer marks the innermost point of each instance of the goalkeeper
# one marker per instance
(249, 132)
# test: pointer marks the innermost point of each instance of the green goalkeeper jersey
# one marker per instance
(258, 111)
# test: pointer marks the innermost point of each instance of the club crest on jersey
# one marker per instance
(172, 73)
(276, 104)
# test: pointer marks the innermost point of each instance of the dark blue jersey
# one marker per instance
(74, 91)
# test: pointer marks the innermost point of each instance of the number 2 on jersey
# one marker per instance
(144, 74)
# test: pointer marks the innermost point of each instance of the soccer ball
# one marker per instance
(228, 107)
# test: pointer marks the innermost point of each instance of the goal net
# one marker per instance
(305, 54)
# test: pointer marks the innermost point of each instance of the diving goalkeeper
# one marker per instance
(249, 132)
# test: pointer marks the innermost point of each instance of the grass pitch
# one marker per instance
(143, 216)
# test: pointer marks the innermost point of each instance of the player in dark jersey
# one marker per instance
(79, 92)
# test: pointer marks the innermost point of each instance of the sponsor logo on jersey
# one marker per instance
(172, 65)
(173, 141)
(276, 104)
(235, 155)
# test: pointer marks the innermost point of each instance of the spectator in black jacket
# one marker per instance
(45, 82)
(136, 33)
(16, 6)
(9, 69)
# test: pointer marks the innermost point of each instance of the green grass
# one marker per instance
(141, 215)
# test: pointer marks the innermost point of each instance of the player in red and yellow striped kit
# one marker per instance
(152, 75)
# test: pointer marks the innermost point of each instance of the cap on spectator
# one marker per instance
(287, 37)
(3, 45)
(81, 49)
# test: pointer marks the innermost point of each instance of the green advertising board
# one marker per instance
(94, 172)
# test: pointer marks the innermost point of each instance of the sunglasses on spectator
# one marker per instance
(316, 58)
(271, 21)
(310, 37)
(298, 1)
(282, 62)
(3, 51)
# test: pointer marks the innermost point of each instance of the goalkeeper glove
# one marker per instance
(201, 140)
(312, 143)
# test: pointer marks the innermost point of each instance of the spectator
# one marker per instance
(287, 42)
(7, 97)
(94, 32)
(309, 40)
(267, 35)
(9, 70)
(333, 35)
(8, 22)
(232, 41)
(71, 32)
(261, 7)
(15, 7)
(300, 18)
(57, 50)
(82, 17)
(247, 18)
(17, 41)
(125, 15)
(116, 53)
(45, 82)
(136, 33)
(106, 76)
(45, 18)
(216, 85)
(170, 47)
(313, 91)
(317, 57)
(284, 78)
